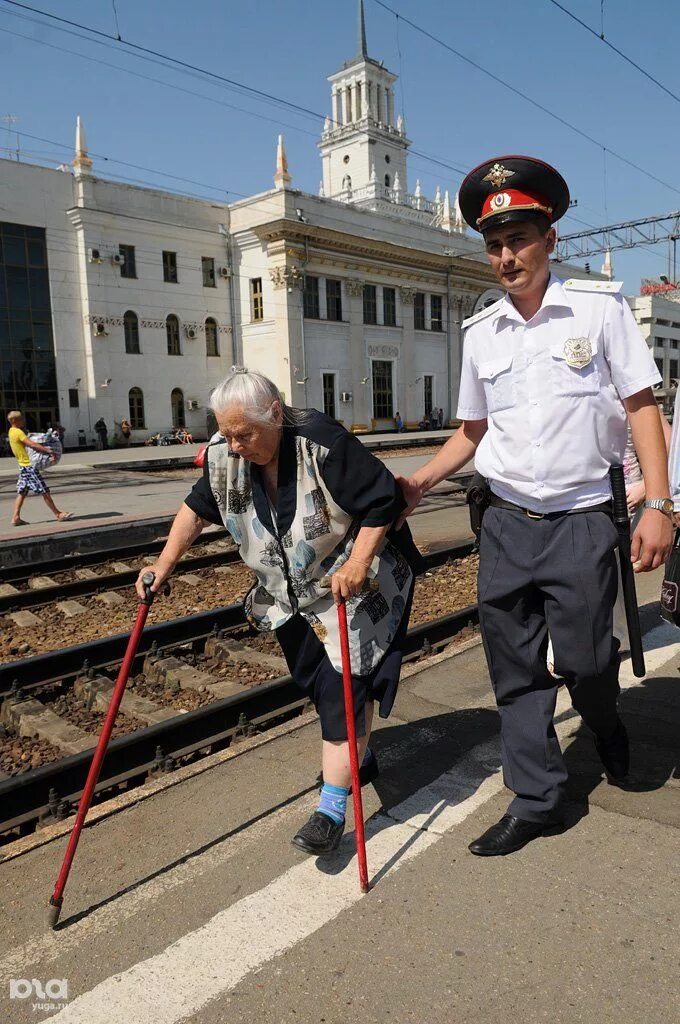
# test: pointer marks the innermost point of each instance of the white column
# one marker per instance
(348, 104)
(360, 101)
(371, 100)
(390, 106)
(336, 108)
(378, 102)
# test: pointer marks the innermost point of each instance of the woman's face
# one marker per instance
(257, 442)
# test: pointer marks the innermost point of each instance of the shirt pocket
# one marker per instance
(574, 380)
(496, 376)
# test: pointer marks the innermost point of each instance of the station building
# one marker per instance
(131, 302)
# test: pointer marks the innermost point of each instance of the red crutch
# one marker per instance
(348, 693)
(57, 897)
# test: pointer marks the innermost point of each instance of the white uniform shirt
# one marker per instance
(554, 429)
(674, 456)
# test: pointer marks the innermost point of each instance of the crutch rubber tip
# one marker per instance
(366, 888)
(53, 914)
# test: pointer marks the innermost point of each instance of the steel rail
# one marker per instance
(50, 790)
(30, 674)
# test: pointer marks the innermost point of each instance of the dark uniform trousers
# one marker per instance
(538, 576)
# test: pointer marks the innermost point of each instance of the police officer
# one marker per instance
(550, 372)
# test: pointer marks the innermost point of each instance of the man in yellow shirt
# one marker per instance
(30, 481)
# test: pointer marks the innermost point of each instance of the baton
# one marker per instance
(622, 523)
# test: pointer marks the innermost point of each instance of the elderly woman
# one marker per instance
(303, 499)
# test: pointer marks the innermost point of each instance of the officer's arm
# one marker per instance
(456, 453)
(652, 539)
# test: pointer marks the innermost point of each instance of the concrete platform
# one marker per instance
(191, 904)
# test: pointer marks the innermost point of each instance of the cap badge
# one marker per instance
(500, 200)
(578, 352)
(498, 175)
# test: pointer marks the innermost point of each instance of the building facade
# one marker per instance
(129, 302)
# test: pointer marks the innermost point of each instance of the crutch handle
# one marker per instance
(148, 581)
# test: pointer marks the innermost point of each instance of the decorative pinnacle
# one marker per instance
(362, 50)
(282, 178)
(81, 162)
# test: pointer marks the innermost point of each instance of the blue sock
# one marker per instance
(333, 802)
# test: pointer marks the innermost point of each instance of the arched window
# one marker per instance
(136, 403)
(211, 346)
(387, 181)
(177, 404)
(131, 332)
(172, 331)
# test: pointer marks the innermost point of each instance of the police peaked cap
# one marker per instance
(509, 188)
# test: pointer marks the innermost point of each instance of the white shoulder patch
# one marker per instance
(487, 311)
(606, 287)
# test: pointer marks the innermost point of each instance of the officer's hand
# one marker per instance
(413, 493)
(652, 541)
(348, 580)
(161, 573)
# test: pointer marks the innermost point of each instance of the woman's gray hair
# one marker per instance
(255, 393)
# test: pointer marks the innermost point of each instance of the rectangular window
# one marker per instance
(73, 398)
(370, 304)
(659, 364)
(333, 300)
(389, 307)
(672, 370)
(128, 267)
(170, 267)
(311, 297)
(383, 396)
(208, 271)
(328, 384)
(419, 311)
(428, 393)
(436, 322)
(256, 303)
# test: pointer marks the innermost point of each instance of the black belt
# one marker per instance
(496, 502)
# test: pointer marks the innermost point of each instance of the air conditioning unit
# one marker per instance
(192, 404)
(191, 333)
(345, 396)
(224, 272)
(94, 256)
(99, 329)
(117, 260)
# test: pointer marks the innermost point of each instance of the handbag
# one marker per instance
(670, 588)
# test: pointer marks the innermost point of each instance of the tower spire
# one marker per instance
(282, 177)
(82, 163)
(362, 50)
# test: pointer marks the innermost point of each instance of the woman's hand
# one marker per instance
(348, 580)
(635, 495)
(161, 573)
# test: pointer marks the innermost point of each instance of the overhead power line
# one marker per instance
(629, 60)
(522, 95)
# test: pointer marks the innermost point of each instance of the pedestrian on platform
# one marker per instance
(102, 432)
(304, 499)
(549, 373)
(399, 423)
(30, 480)
(126, 431)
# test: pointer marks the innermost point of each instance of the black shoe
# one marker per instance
(506, 836)
(614, 753)
(319, 835)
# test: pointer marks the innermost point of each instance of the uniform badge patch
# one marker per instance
(498, 175)
(578, 352)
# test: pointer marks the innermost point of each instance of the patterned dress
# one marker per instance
(329, 486)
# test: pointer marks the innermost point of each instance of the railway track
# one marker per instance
(23, 587)
(206, 656)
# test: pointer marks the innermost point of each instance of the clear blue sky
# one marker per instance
(453, 112)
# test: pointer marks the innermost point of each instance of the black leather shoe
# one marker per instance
(615, 753)
(506, 836)
(319, 835)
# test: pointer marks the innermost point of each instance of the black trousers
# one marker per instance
(540, 576)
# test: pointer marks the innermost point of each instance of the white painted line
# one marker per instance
(204, 964)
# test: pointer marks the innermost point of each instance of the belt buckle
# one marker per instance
(535, 515)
